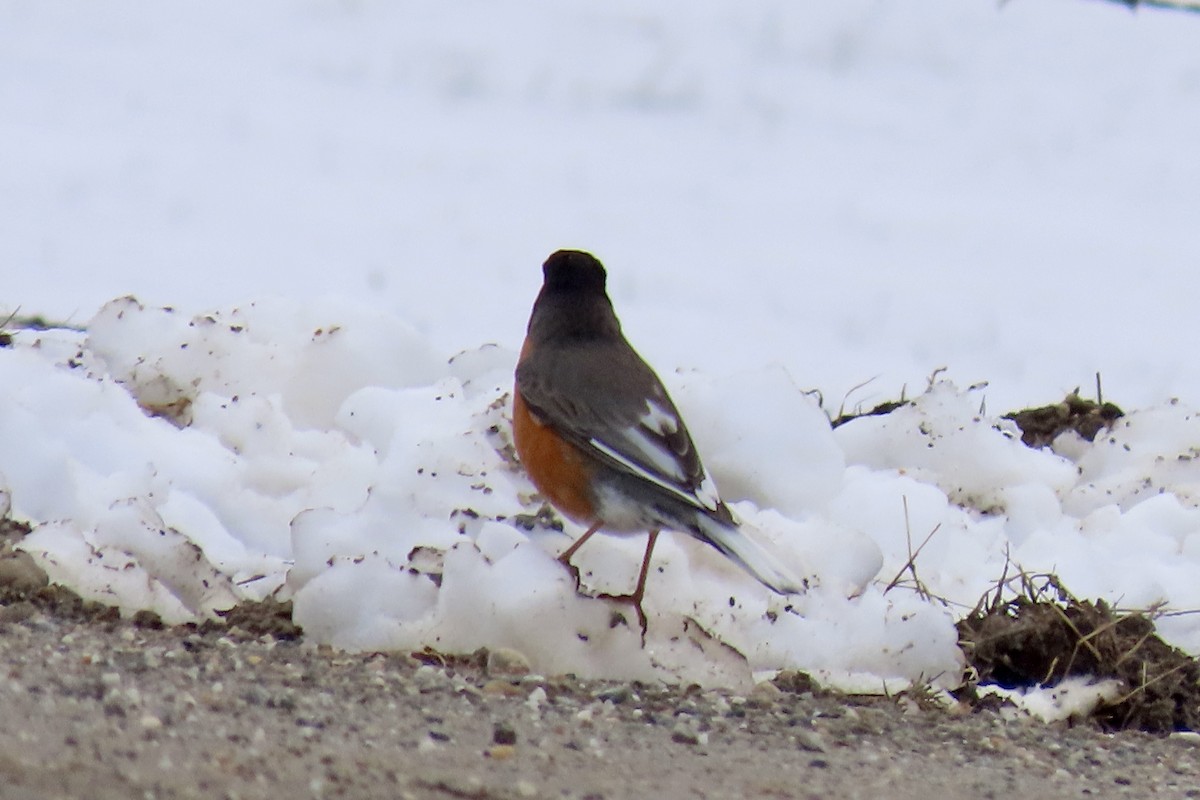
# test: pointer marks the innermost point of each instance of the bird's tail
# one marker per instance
(751, 556)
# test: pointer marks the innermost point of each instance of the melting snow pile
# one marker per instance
(329, 455)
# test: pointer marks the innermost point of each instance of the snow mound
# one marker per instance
(330, 455)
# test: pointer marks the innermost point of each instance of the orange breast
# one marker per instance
(556, 467)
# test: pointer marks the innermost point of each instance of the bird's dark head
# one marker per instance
(573, 303)
(573, 271)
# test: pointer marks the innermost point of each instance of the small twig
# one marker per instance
(852, 390)
(1183, 612)
(38, 323)
(1003, 578)
(1145, 637)
(1147, 683)
(1050, 671)
(911, 565)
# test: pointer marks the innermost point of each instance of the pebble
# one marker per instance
(18, 571)
(501, 688)
(810, 741)
(503, 734)
(500, 752)
(614, 694)
(683, 733)
(506, 661)
(765, 693)
(536, 698)
(17, 612)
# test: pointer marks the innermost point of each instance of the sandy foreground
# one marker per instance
(99, 707)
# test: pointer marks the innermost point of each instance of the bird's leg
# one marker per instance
(565, 556)
(639, 591)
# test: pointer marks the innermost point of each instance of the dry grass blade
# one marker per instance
(910, 566)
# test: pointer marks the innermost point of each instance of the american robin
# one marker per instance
(601, 439)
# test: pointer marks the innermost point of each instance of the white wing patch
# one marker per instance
(659, 419)
(641, 472)
(706, 492)
(662, 466)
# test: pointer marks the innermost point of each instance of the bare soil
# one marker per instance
(101, 707)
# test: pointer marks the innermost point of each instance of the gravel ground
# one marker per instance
(99, 707)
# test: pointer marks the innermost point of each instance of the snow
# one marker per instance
(1072, 698)
(332, 217)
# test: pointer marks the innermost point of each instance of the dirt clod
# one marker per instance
(1041, 426)
(1046, 634)
(12, 531)
(264, 618)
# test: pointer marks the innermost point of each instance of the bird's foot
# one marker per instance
(634, 600)
(574, 570)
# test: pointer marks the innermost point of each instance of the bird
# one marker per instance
(601, 439)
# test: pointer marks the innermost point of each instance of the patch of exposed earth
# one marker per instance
(101, 707)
